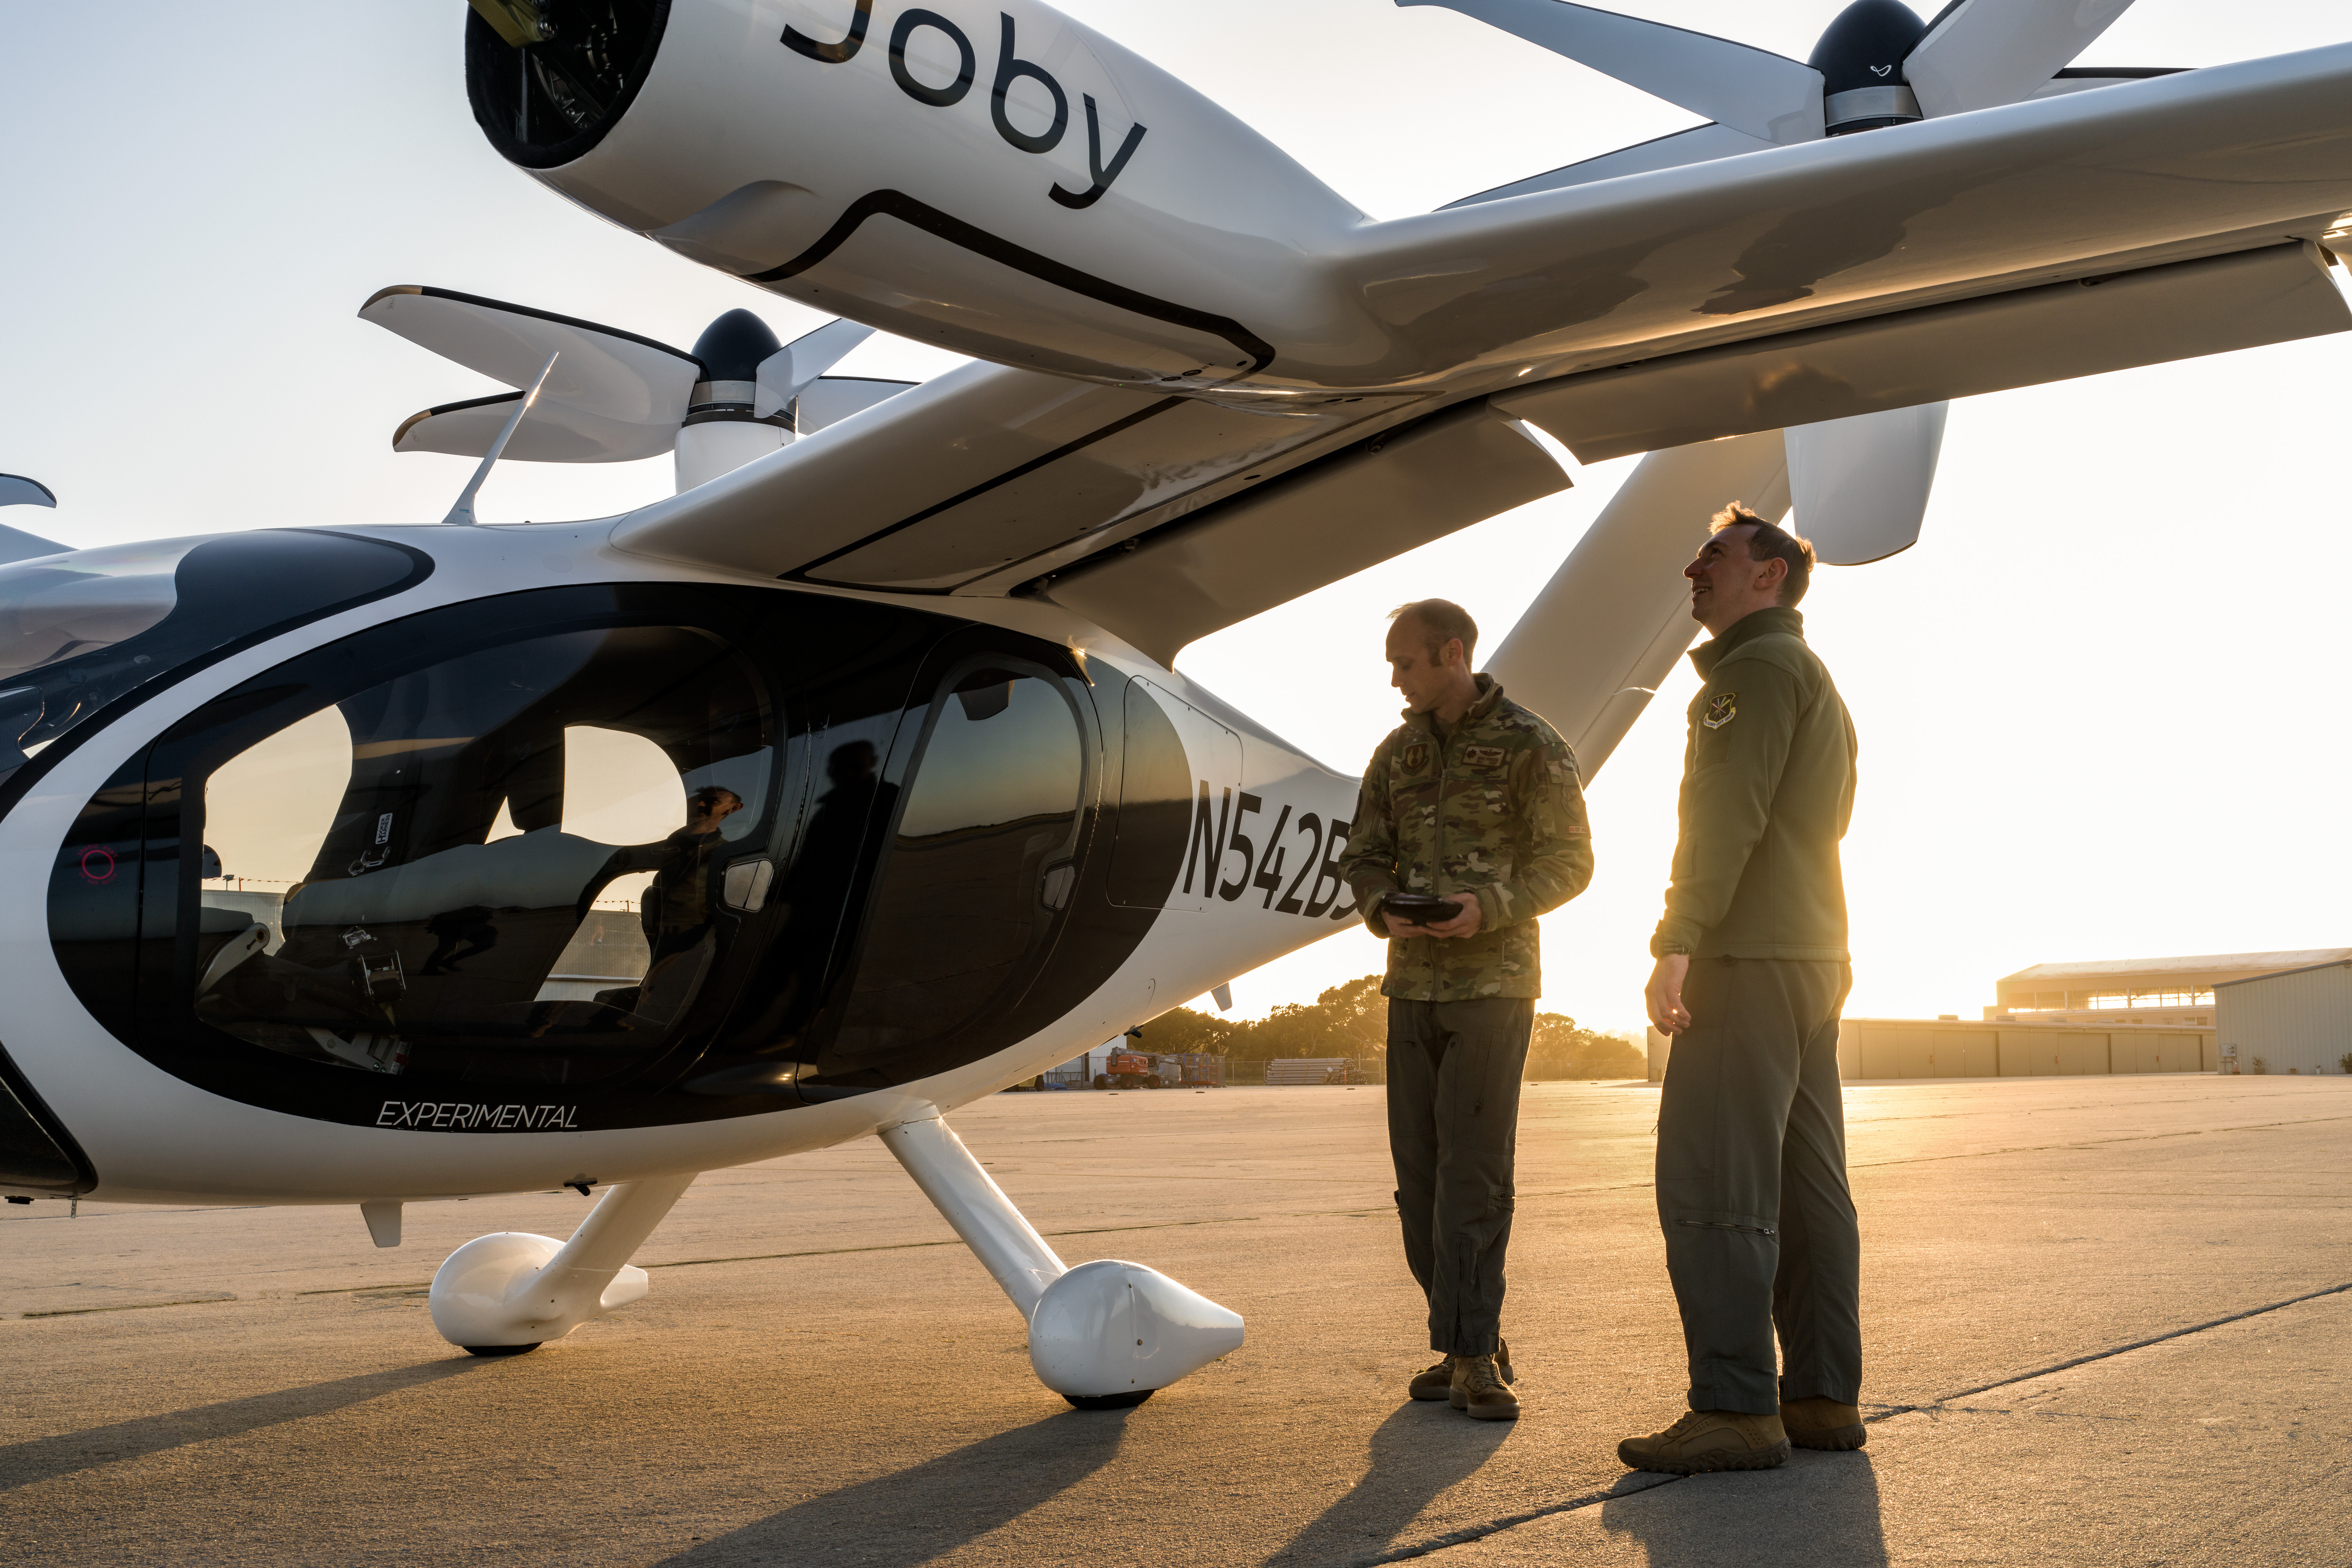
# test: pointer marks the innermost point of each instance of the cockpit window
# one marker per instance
(83, 629)
(978, 869)
(503, 867)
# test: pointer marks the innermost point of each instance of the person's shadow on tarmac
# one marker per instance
(1416, 1454)
(1818, 1511)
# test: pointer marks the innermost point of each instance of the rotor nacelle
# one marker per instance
(993, 179)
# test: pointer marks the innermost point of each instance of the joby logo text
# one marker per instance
(1010, 69)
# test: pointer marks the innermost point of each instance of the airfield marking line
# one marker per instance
(2093, 1142)
(1339, 1213)
(125, 1307)
(1943, 1399)
(1469, 1533)
(883, 1246)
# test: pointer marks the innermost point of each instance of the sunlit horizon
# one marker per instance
(2096, 721)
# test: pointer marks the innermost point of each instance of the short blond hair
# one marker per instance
(1444, 621)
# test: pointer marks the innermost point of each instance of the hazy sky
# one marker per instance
(2100, 706)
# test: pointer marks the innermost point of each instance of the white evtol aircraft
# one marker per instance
(854, 781)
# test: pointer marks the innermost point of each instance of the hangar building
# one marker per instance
(2296, 1022)
(2291, 1009)
(2170, 991)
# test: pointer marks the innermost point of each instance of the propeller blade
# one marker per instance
(1861, 485)
(830, 399)
(551, 433)
(16, 489)
(602, 372)
(1591, 650)
(1766, 95)
(1983, 53)
(1699, 144)
(789, 372)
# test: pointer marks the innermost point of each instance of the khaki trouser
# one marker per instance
(1453, 1120)
(1751, 1186)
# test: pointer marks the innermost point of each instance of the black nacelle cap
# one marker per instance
(731, 347)
(1867, 45)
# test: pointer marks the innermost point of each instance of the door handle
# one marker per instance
(744, 885)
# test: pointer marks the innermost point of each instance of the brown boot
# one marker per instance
(1709, 1440)
(1824, 1423)
(1480, 1392)
(1437, 1381)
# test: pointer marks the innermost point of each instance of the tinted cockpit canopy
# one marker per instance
(83, 629)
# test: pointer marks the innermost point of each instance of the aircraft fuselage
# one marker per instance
(499, 858)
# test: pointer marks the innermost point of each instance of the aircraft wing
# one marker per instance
(1193, 515)
(2147, 221)
(1612, 271)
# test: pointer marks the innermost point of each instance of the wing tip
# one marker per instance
(383, 294)
(413, 420)
(47, 497)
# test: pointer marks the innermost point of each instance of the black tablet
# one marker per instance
(1419, 909)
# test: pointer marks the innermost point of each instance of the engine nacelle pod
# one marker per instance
(989, 177)
(484, 1294)
(1112, 1328)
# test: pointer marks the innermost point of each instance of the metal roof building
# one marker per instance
(2176, 991)
(2296, 1022)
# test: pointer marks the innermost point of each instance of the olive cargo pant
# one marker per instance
(1453, 1125)
(1751, 1186)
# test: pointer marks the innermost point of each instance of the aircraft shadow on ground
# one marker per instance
(1820, 1511)
(1416, 1454)
(914, 1515)
(45, 1458)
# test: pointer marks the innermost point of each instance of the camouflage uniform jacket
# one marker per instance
(1494, 809)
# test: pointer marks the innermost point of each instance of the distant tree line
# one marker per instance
(1352, 1020)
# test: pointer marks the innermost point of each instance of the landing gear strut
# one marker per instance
(1103, 1335)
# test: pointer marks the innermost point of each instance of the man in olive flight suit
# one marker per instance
(1476, 800)
(1751, 973)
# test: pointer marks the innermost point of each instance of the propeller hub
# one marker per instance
(1861, 60)
(731, 349)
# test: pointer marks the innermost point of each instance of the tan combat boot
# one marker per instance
(1479, 1391)
(1437, 1381)
(1709, 1440)
(1824, 1423)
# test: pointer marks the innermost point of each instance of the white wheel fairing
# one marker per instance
(471, 1287)
(1111, 1327)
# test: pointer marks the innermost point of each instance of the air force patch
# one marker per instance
(1721, 709)
(1416, 756)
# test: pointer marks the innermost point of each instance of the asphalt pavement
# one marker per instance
(2106, 1322)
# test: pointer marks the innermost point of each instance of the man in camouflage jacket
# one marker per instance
(1476, 800)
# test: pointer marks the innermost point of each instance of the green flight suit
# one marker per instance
(1492, 806)
(1752, 1196)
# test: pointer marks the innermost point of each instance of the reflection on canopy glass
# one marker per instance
(500, 867)
(79, 631)
(977, 870)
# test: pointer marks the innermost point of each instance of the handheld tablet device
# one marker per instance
(1419, 909)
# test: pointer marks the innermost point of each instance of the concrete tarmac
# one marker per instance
(2105, 1325)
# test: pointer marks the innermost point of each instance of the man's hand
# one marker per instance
(1464, 924)
(1664, 994)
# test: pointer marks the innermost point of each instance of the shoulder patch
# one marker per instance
(1484, 756)
(1415, 757)
(1721, 709)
